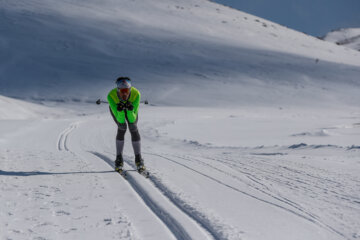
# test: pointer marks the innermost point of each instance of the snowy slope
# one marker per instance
(349, 37)
(16, 109)
(253, 134)
(73, 50)
(288, 174)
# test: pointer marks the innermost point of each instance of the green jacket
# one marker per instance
(134, 99)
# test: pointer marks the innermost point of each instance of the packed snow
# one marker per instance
(251, 131)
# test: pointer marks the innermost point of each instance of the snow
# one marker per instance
(73, 51)
(252, 131)
(16, 109)
(349, 37)
(57, 180)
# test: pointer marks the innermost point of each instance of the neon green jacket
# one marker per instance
(134, 99)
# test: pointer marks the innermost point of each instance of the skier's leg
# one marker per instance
(119, 162)
(136, 143)
(120, 138)
(120, 135)
(135, 137)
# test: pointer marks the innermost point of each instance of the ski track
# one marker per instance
(306, 180)
(191, 212)
(302, 212)
(166, 217)
(62, 144)
(251, 178)
(198, 217)
(246, 169)
(249, 170)
(174, 226)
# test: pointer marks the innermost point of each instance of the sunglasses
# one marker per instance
(124, 90)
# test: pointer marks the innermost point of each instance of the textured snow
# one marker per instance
(73, 51)
(349, 37)
(57, 180)
(252, 131)
(11, 109)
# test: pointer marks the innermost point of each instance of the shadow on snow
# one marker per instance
(38, 173)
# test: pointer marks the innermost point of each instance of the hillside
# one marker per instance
(348, 37)
(252, 131)
(74, 50)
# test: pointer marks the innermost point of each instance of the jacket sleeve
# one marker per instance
(119, 116)
(136, 104)
(113, 107)
(132, 115)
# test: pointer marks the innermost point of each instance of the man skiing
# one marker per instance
(124, 105)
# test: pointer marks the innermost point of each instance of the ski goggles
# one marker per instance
(123, 84)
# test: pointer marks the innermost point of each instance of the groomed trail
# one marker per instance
(148, 213)
(57, 181)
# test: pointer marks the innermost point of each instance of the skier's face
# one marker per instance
(124, 93)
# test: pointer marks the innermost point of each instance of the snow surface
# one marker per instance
(252, 131)
(349, 37)
(285, 182)
(73, 51)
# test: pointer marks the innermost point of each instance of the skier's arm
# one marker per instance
(132, 114)
(136, 104)
(112, 105)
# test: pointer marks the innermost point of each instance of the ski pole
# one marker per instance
(99, 101)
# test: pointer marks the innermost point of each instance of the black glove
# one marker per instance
(129, 106)
(120, 106)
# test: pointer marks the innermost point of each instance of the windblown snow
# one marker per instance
(252, 131)
(349, 37)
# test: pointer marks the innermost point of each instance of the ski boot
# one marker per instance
(139, 162)
(119, 163)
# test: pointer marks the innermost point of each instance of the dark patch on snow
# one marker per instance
(298, 146)
(304, 145)
(38, 173)
(325, 146)
(259, 147)
(301, 134)
(353, 147)
(108, 221)
(196, 143)
(269, 154)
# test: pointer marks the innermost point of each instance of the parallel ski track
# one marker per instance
(168, 219)
(171, 223)
(63, 137)
(302, 213)
(253, 178)
(180, 204)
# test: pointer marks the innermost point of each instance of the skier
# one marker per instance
(124, 105)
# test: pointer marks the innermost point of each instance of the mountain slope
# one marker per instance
(74, 50)
(349, 37)
(262, 145)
